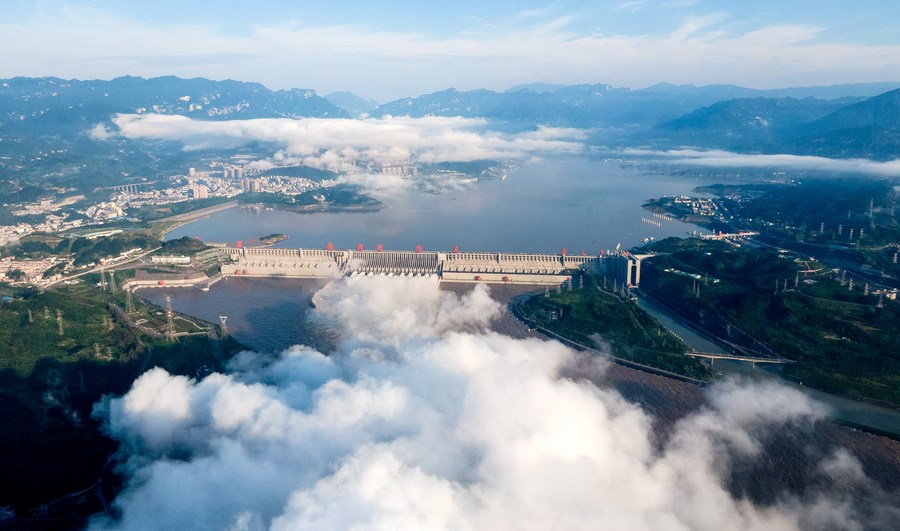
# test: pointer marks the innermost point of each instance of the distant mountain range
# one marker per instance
(842, 120)
(584, 106)
(48, 101)
(355, 105)
(602, 105)
(841, 128)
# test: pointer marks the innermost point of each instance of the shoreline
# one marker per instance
(182, 219)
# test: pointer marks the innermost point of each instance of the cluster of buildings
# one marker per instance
(52, 223)
(104, 211)
(199, 191)
(279, 184)
(401, 169)
(699, 206)
(32, 271)
(250, 185)
(195, 185)
(232, 172)
(235, 181)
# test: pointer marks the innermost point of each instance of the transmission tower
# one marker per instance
(30, 316)
(129, 303)
(170, 318)
(112, 282)
(871, 213)
(103, 280)
(222, 319)
(59, 323)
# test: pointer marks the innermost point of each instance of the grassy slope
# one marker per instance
(627, 331)
(843, 342)
(49, 384)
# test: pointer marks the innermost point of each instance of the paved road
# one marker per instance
(103, 268)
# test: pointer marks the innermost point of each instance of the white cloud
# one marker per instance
(388, 64)
(261, 165)
(100, 132)
(336, 143)
(692, 25)
(727, 159)
(631, 6)
(420, 420)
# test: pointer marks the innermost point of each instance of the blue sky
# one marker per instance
(388, 50)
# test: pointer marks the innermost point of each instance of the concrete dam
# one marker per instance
(511, 268)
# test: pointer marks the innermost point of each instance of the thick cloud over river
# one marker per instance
(726, 159)
(336, 144)
(423, 419)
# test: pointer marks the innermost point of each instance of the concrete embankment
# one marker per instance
(180, 219)
(160, 280)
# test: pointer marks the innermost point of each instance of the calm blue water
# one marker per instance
(575, 203)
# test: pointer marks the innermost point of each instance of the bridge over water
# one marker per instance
(491, 267)
(752, 359)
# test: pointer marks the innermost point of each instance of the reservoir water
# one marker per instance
(546, 205)
(576, 203)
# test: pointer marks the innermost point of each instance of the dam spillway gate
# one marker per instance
(490, 267)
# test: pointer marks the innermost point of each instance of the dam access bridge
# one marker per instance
(455, 266)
